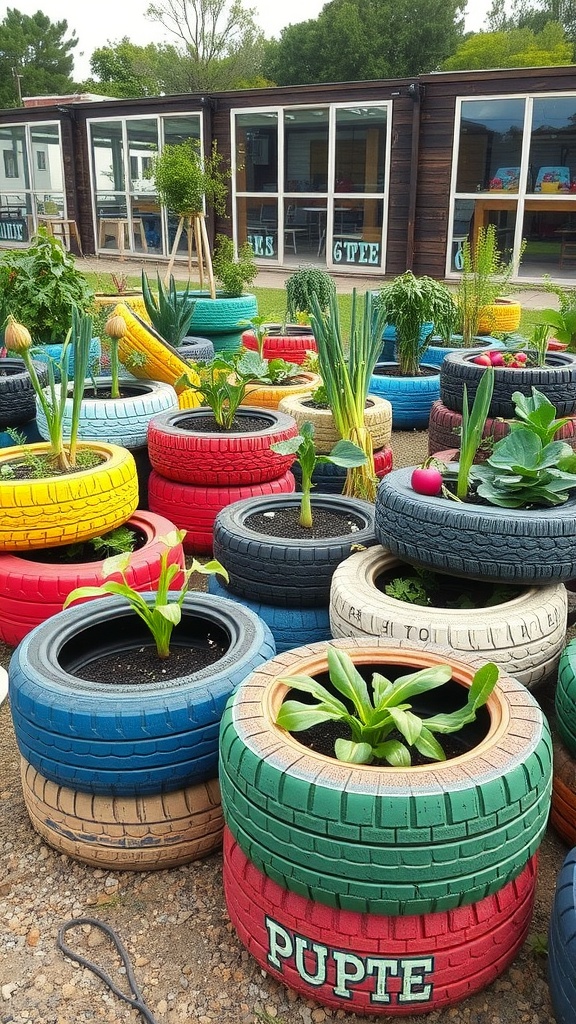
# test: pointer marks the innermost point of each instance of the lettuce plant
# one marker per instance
(372, 713)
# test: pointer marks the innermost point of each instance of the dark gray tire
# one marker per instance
(524, 635)
(198, 350)
(556, 380)
(17, 396)
(279, 570)
(531, 546)
(562, 944)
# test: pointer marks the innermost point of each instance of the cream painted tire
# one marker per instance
(50, 511)
(145, 354)
(140, 833)
(269, 396)
(377, 420)
(524, 636)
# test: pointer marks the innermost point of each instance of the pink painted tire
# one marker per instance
(293, 348)
(31, 590)
(368, 964)
(194, 508)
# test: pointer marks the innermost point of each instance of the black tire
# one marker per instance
(529, 546)
(377, 839)
(290, 627)
(118, 739)
(17, 396)
(556, 380)
(562, 944)
(197, 350)
(523, 634)
(282, 571)
(143, 833)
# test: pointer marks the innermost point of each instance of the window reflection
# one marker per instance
(490, 145)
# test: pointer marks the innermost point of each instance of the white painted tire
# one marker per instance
(377, 420)
(524, 636)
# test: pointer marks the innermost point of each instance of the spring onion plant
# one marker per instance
(53, 404)
(346, 376)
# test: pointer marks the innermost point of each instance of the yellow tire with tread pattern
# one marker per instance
(160, 361)
(52, 511)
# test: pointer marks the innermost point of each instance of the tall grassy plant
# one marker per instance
(346, 375)
(485, 276)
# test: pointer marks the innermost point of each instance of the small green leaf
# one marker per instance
(419, 682)
(171, 612)
(348, 681)
(428, 746)
(116, 563)
(309, 685)
(353, 753)
(80, 592)
(407, 723)
(381, 687)
(289, 447)
(394, 752)
(295, 716)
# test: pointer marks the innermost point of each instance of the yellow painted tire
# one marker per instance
(135, 302)
(160, 362)
(503, 315)
(269, 396)
(57, 510)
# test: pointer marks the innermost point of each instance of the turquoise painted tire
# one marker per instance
(411, 398)
(221, 315)
(565, 697)
(377, 839)
(53, 353)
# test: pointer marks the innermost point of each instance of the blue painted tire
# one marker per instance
(290, 627)
(411, 398)
(562, 944)
(435, 354)
(118, 738)
(45, 353)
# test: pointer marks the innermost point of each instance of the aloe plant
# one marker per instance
(171, 313)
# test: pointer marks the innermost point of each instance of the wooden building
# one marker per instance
(374, 176)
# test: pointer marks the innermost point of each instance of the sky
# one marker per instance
(110, 20)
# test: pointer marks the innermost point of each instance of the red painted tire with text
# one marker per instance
(445, 424)
(361, 963)
(139, 833)
(194, 508)
(32, 590)
(179, 451)
(293, 348)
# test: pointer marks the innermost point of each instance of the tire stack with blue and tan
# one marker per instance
(378, 890)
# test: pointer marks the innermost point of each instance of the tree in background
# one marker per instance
(355, 40)
(34, 48)
(220, 39)
(533, 14)
(512, 48)
(125, 70)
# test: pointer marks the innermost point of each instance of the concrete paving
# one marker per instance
(530, 297)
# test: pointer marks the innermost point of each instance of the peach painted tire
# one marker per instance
(269, 396)
(377, 420)
(50, 511)
(142, 833)
(525, 635)
(335, 957)
(383, 840)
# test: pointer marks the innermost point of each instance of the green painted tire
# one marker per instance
(565, 697)
(384, 840)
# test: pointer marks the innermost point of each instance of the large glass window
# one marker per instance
(31, 179)
(309, 183)
(519, 153)
(128, 214)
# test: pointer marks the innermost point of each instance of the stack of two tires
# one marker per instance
(119, 776)
(373, 890)
(18, 401)
(199, 470)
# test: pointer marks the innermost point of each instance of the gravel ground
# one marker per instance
(186, 958)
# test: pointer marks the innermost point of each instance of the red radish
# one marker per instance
(497, 359)
(482, 360)
(521, 357)
(426, 480)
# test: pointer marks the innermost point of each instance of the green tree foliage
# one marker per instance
(534, 14)
(352, 40)
(123, 69)
(220, 39)
(34, 48)
(512, 48)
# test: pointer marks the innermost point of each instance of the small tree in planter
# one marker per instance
(234, 273)
(185, 181)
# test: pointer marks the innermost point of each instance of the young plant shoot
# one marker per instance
(115, 329)
(166, 611)
(344, 453)
(372, 714)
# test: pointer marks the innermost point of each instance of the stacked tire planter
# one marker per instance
(563, 815)
(328, 478)
(291, 343)
(220, 319)
(122, 776)
(198, 470)
(348, 883)
(445, 425)
(562, 943)
(18, 399)
(286, 581)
